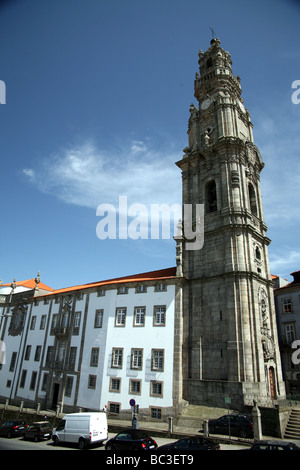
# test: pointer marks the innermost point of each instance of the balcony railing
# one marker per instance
(61, 331)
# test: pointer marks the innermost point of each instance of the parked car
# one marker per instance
(13, 428)
(237, 424)
(38, 431)
(131, 439)
(191, 443)
(274, 445)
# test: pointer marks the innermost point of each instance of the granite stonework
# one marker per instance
(230, 346)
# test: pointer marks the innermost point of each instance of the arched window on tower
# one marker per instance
(211, 196)
(252, 199)
(209, 63)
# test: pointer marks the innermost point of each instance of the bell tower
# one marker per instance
(230, 337)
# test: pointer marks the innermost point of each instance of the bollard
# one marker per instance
(6, 403)
(21, 406)
(57, 410)
(205, 428)
(170, 419)
(38, 409)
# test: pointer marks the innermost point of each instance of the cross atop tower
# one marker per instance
(212, 32)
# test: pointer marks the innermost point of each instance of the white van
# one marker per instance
(82, 429)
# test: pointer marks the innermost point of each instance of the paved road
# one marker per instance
(20, 444)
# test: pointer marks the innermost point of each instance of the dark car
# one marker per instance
(274, 445)
(38, 431)
(13, 428)
(190, 444)
(234, 424)
(131, 439)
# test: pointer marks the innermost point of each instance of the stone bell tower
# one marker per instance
(230, 345)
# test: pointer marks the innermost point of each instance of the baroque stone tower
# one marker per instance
(230, 346)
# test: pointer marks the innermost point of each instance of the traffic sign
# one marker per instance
(132, 402)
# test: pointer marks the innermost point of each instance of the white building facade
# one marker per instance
(95, 345)
(287, 301)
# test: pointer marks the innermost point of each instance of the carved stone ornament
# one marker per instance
(268, 347)
(267, 340)
(17, 320)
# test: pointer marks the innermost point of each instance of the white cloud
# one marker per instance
(29, 173)
(138, 146)
(86, 176)
(284, 261)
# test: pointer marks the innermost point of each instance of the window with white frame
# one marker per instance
(27, 352)
(23, 378)
(50, 355)
(101, 293)
(37, 355)
(33, 380)
(290, 333)
(69, 386)
(156, 388)
(60, 353)
(77, 318)
(115, 384)
(54, 321)
(139, 316)
(114, 407)
(117, 358)
(43, 322)
(120, 316)
(94, 357)
(65, 319)
(98, 318)
(141, 289)
(92, 381)
(287, 305)
(13, 361)
(45, 382)
(160, 287)
(72, 355)
(136, 359)
(135, 387)
(159, 315)
(156, 413)
(33, 322)
(157, 360)
(123, 290)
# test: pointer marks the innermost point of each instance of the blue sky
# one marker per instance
(97, 106)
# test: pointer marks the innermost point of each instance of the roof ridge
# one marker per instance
(31, 283)
(157, 274)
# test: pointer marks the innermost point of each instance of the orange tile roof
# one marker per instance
(30, 284)
(159, 275)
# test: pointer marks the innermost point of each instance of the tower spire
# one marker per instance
(228, 307)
